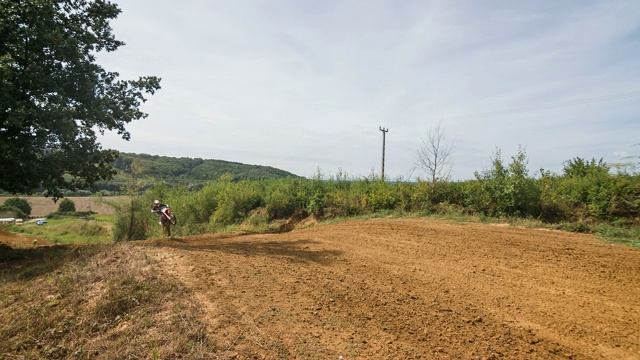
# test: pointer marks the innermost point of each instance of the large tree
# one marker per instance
(54, 97)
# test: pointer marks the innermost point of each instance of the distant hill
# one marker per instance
(184, 171)
(183, 168)
(192, 173)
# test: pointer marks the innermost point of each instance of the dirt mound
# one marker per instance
(412, 289)
(299, 219)
(309, 221)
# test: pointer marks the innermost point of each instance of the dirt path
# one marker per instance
(412, 289)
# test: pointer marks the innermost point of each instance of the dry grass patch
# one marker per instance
(102, 301)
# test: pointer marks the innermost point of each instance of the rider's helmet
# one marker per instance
(156, 202)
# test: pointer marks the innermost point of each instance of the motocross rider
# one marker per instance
(157, 208)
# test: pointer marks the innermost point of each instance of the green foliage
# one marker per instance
(627, 234)
(315, 194)
(67, 230)
(420, 196)
(19, 203)
(235, 202)
(554, 208)
(88, 228)
(66, 206)
(258, 218)
(317, 204)
(507, 190)
(381, 196)
(132, 216)
(54, 96)
(190, 172)
(587, 189)
(194, 208)
(131, 221)
(345, 201)
(585, 193)
(284, 197)
(580, 168)
(10, 211)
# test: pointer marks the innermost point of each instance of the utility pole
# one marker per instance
(384, 132)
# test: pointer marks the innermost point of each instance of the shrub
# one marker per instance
(343, 203)
(317, 204)
(283, 198)
(19, 203)
(314, 194)
(421, 196)
(66, 206)
(381, 196)
(258, 217)
(10, 211)
(508, 190)
(88, 228)
(404, 191)
(193, 209)
(588, 190)
(235, 202)
(131, 221)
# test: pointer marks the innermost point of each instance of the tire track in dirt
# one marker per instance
(412, 288)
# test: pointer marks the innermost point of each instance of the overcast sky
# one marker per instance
(305, 84)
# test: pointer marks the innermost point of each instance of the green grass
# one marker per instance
(68, 230)
(629, 235)
(104, 217)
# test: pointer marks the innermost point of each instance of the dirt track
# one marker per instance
(412, 289)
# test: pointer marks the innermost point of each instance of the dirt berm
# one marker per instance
(412, 289)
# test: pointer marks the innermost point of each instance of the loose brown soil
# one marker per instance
(20, 241)
(412, 289)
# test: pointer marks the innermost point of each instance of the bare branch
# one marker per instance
(435, 155)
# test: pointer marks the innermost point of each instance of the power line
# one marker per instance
(548, 106)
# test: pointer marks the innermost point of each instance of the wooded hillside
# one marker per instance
(183, 171)
(171, 168)
(190, 172)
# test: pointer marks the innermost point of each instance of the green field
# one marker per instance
(69, 230)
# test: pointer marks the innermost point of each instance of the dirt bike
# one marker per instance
(166, 214)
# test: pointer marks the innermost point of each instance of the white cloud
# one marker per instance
(301, 85)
